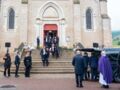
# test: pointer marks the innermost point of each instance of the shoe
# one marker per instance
(16, 76)
(81, 86)
(106, 86)
(77, 85)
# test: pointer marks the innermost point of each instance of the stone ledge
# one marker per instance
(24, 1)
(103, 0)
(76, 2)
(104, 16)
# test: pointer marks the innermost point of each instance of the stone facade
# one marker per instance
(69, 15)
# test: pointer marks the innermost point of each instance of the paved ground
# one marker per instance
(50, 82)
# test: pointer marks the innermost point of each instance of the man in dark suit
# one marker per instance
(17, 63)
(38, 42)
(86, 62)
(78, 63)
(94, 66)
(45, 55)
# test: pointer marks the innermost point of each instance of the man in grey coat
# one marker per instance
(78, 63)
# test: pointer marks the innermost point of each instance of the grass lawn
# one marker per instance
(115, 43)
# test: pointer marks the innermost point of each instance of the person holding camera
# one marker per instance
(7, 64)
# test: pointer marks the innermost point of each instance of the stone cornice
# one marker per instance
(104, 16)
(24, 1)
(103, 0)
(76, 1)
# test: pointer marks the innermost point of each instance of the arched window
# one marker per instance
(11, 19)
(89, 19)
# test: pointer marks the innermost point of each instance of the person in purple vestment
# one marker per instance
(105, 70)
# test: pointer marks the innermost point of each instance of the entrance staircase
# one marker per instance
(63, 64)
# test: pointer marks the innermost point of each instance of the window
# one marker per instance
(89, 19)
(11, 19)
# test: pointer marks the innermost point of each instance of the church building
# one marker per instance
(72, 21)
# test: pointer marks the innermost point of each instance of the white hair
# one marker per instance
(77, 52)
(103, 53)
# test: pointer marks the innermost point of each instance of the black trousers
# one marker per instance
(38, 44)
(86, 74)
(27, 71)
(79, 79)
(45, 62)
(16, 71)
(94, 73)
(7, 70)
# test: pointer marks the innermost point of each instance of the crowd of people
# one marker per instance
(88, 68)
(27, 63)
(51, 46)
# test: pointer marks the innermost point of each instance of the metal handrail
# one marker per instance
(20, 49)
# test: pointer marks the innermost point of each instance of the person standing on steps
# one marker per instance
(17, 63)
(38, 43)
(7, 64)
(45, 55)
(28, 64)
(78, 63)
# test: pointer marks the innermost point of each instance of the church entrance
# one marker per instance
(50, 31)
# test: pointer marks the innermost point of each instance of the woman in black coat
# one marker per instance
(7, 64)
(28, 64)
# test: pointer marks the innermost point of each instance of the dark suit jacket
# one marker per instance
(93, 62)
(7, 63)
(28, 61)
(78, 63)
(17, 60)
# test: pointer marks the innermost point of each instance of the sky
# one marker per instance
(114, 13)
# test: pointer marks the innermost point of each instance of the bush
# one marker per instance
(118, 42)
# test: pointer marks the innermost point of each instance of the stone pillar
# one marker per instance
(106, 24)
(24, 23)
(77, 31)
(103, 7)
(107, 34)
(37, 32)
(62, 38)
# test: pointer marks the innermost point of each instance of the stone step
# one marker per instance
(70, 54)
(52, 59)
(46, 70)
(49, 66)
(63, 64)
(51, 63)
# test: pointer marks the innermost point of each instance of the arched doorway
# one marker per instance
(52, 21)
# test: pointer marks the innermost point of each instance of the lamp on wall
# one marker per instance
(68, 39)
(7, 45)
(37, 21)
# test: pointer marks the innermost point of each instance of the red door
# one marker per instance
(50, 29)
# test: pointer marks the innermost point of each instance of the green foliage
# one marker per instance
(116, 43)
(116, 38)
(119, 43)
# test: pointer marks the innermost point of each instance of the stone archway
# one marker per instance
(51, 13)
